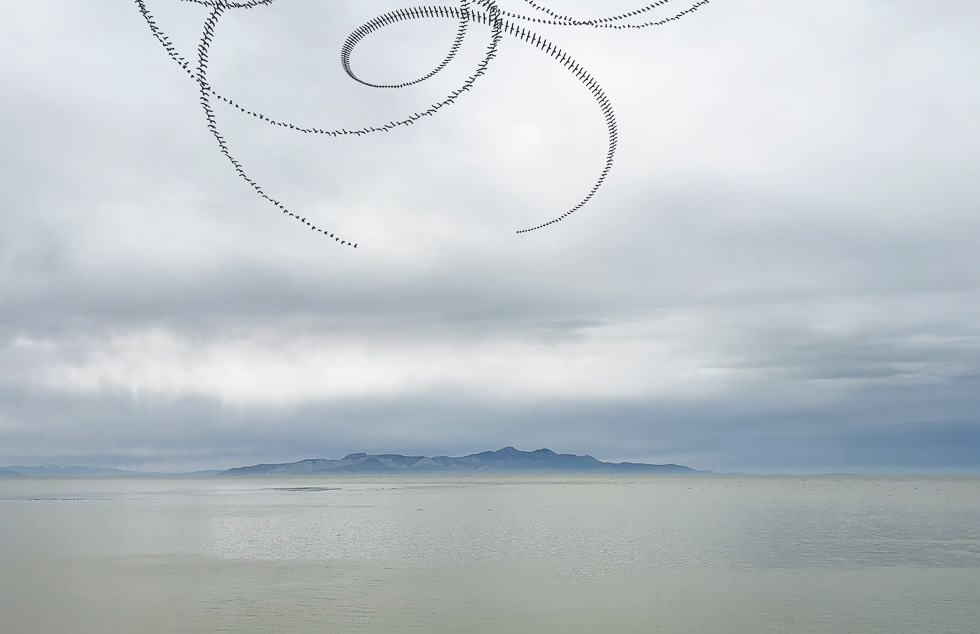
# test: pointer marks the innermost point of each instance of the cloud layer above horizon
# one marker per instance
(781, 273)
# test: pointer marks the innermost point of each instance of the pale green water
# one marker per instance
(491, 554)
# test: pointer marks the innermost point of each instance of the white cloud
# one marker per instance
(278, 368)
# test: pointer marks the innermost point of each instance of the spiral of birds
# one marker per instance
(484, 12)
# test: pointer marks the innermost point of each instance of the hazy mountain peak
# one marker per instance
(507, 459)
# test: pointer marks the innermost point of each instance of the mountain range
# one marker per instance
(506, 460)
(58, 471)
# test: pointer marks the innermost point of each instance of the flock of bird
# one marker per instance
(487, 13)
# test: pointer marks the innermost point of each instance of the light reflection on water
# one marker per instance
(399, 540)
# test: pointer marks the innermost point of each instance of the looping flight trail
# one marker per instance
(500, 22)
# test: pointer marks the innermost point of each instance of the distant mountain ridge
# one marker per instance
(58, 471)
(503, 460)
(507, 459)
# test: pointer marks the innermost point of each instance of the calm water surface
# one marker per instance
(491, 554)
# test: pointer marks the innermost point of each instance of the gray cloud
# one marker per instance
(780, 274)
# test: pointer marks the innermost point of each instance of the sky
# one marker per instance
(780, 274)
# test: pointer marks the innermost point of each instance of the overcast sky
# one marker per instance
(781, 273)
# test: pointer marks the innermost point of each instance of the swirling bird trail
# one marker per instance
(500, 22)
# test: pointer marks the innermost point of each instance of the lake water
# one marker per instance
(491, 554)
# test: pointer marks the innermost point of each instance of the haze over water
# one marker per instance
(489, 554)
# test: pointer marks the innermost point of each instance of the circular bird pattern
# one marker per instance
(484, 12)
